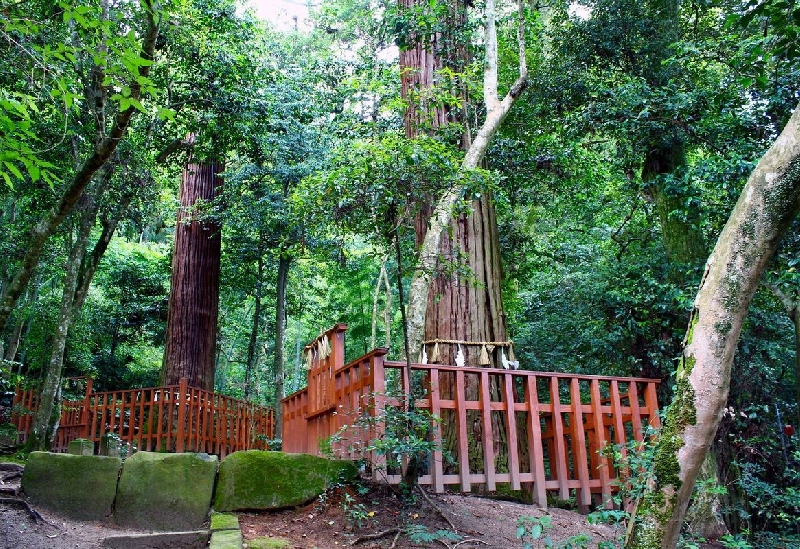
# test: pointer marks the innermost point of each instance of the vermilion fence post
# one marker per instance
(182, 404)
(87, 401)
(487, 437)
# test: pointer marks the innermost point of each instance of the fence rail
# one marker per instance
(172, 418)
(535, 430)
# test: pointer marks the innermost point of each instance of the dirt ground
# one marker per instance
(345, 518)
(342, 517)
(366, 517)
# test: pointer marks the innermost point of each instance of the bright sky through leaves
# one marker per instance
(281, 12)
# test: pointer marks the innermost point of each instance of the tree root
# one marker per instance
(436, 508)
(11, 476)
(462, 542)
(9, 491)
(368, 537)
(33, 513)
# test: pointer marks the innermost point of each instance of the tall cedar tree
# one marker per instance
(194, 295)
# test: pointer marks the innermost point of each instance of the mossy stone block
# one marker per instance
(256, 479)
(269, 543)
(80, 447)
(78, 487)
(224, 521)
(226, 539)
(162, 492)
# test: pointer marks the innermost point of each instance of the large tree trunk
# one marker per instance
(767, 206)
(284, 262)
(194, 295)
(441, 218)
(103, 149)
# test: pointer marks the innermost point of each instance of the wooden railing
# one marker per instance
(173, 418)
(535, 430)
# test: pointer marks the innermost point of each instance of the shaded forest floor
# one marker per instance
(370, 517)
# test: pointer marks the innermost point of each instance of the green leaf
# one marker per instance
(13, 169)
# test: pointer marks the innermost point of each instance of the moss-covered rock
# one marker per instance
(165, 491)
(224, 521)
(226, 539)
(79, 487)
(256, 479)
(269, 543)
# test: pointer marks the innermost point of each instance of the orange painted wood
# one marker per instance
(511, 425)
(651, 401)
(437, 469)
(603, 466)
(636, 416)
(559, 455)
(535, 450)
(182, 404)
(463, 442)
(487, 434)
(578, 435)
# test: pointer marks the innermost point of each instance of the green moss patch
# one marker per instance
(269, 543)
(226, 539)
(224, 521)
(164, 492)
(79, 487)
(256, 479)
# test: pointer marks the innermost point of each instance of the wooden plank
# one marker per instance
(651, 401)
(463, 446)
(599, 445)
(377, 380)
(437, 467)
(511, 424)
(617, 420)
(487, 437)
(535, 442)
(559, 456)
(579, 457)
(636, 415)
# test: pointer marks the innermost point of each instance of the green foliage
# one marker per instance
(734, 542)
(420, 534)
(406, 434)
(531, 531)
(355, 512)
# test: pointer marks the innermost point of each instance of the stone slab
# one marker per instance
(78, 487)
(255, 479)
(226, 539)
(80, 447)
(165, 492)
(197, 539)
(224, 521)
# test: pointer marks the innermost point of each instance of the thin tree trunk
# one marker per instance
(383, 280)
(284, 262)
(766, 208)
(680, 227)
(41, 436)
(796, 320)
(790, 306)
(102, 152)
(251, 346)
(190, 349)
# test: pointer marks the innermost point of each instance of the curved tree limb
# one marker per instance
(496, 112)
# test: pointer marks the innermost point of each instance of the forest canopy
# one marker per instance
(625, 133)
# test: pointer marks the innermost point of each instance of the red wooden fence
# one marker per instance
(540, 430)
(173, 418)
